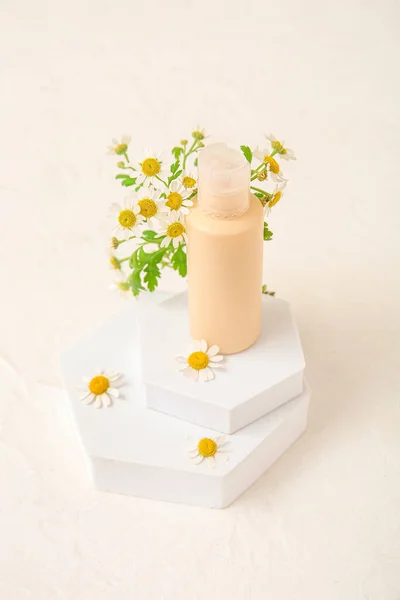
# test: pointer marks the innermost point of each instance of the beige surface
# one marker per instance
(324, 523)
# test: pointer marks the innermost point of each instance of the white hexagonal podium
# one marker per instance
(252, 384)
(136, 451)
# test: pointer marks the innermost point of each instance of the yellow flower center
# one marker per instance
(114, 262)
(198, 135)
(188, 182)
(174, 201)
(275, 199)
(120, 149)
(99, 385)
(273, 165)
(151, 167)
(148, 208)
(127, 218)
(207, 447)
(123, 286)
(198, 360)
(277, 146)
(175, 229)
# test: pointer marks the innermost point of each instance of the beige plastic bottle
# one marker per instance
(225, 253)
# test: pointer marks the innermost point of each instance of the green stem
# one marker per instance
(255, 171)
(162, 181)
(256, 189)
(185, 156)
(126, 240)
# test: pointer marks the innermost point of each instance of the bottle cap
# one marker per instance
(224, 181)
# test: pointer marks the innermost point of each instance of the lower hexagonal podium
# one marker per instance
(252, 383)
(134, 450)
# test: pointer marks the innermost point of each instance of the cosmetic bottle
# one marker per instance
(225, 253)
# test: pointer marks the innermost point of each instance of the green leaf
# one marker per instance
(196, 162)
(151, 276)
(149, 235)
(247, 153)
(174, 176)
(177, 151)
(179, 261)
(174, 167)
(259, 195)
(267, 233)
(135, 282)
(126, 180)
(134, 262)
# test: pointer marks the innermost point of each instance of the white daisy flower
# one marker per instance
(279, 147)
(174, 230)
(271, 165)
(113, 261)
(151, 167)
(120, 285)
(177, 199)
(101, 389)
(276, 196)
(210, 450)
(188, 180)
(129, 221)
(200, 362)
(119, 148)
(150, 207)
(199, 133)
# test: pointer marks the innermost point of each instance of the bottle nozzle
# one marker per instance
(224, 181)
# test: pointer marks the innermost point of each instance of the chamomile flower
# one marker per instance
(177, 199)
(279, 147)
(200, 362)
(272, 167)
(174, 230)
(188, 180)
(101, 389)
(199, 133)
(276, 196)
(151, 167)
(150, 207)
(210, 450)
(128, 219)
(119, 147)
(114, 262)
(120, 285)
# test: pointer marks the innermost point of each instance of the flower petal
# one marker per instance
(195, 346)
(113, 392)
(218, 358)
(106, 399)
(220, 440)
(191, 374)
(213, 351)
(203, 345)
(98, 403)
(212, 463)
(209, 374)
(198, 459)
(90, 399)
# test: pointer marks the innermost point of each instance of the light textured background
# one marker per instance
(325, 521)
